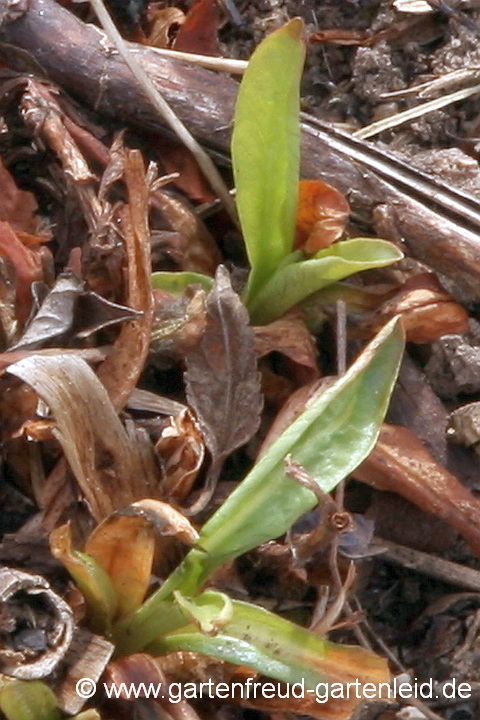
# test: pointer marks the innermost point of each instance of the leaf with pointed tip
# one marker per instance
(334, 433)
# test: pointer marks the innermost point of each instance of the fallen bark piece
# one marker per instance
(439, 225)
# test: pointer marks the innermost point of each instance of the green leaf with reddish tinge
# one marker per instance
(91, 578)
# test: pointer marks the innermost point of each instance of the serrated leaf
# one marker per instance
(266, 149)
(222, 381)
(295, 281)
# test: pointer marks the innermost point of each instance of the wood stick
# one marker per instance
(439, 225)
(445, 570)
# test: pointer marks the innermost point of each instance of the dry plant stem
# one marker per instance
(423, 708)
(165, 111)
(399, 118)
(450, 572)
(341, 338)
(349, 612)
(379, 642)
(220, 64)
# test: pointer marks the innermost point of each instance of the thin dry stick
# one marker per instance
(347, 608)
(446, 570)
(164, 109)
(415, 112)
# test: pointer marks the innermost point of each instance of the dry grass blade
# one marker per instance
(412, 113)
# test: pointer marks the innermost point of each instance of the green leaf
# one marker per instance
(178, 282)
(329, 439)
(210, 612)
(294, 281)
(91, 578)
(28, 700)
(272, 645)
(266, 149)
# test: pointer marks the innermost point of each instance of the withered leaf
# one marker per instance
(401, 463)
(198, 34)
(121, 370)
(288, 335)
(95, 312)
(222, 381)
(105, 459)
(55, 315)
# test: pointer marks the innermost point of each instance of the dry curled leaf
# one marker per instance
(222, 381)
(182, 451)
(55, 315)
(124, 545)
(95, 443)
(427, 310)
(322, 215)
(199, 251)
(178, 323)
(121, 370)
(290, 336)
(164, 21)
(400, 463)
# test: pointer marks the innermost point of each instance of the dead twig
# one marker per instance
(436, 567)
(164, 109)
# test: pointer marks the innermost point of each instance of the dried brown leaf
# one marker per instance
(178, 324)
(94, 441)
(427, 310)
(28, 268)
(222, 381)
(288, 335)
(400, 463)
(322, 216)
(121, 370)
(200, 252)
(18, 207)
(198, 34)
(124, 545)
(164, 21)
(55, 315)
(182, 451)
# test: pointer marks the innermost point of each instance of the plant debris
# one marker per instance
(210, 473)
